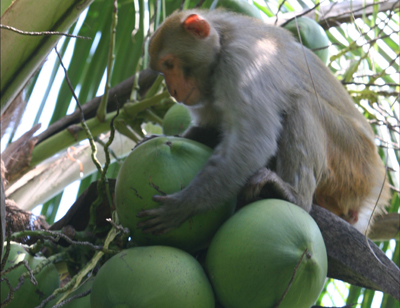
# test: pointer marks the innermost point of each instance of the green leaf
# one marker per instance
(22, 55)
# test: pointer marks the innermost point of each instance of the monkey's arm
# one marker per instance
(245, 148)
(208, 136)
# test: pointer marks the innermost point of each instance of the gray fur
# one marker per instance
(258, 92)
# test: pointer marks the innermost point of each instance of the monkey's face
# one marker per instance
(182, 87)
(184, 48)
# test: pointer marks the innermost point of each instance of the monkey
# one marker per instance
(279, 113)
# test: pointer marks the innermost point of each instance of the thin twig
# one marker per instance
(106, 146)
(102, 109)
(8, 247)
(390, 145)
(370, 84)
(55, 237)
(302, 14)
(70, 299)
(25, 263)
(69, 84)
(385, 23)
(108, 143)
(30, 273)
(378, 38)
(327, 46)
(42, 33)
(328, 11)
(64, 302)
(118, 227)
(319, 175)
(347, 306)
(353, 46)
(113, 154)
(10, 294)
(357, 10)
(45, 301)
(84, 125)
(76, 280)
(279, 9)
(372, 215)
(61, 290)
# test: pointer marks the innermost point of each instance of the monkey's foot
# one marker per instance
(351, 217)
(266, 184)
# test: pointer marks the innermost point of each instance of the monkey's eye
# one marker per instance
(169, 65)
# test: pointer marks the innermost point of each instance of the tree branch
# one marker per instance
(117, 95)
(336, 13)
(386, 227)
(350, 257)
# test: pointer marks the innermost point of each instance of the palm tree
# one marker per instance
(102, 45)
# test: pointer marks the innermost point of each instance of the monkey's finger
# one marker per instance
(162, 231)
(151, 212)
(155, 229)
(158, 198)
(148, 224)
(148, 228)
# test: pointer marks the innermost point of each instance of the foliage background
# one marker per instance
(364, 55)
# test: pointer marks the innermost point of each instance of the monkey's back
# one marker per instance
(351, 173)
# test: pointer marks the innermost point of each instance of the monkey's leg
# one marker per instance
(266, 184)
(300, 153)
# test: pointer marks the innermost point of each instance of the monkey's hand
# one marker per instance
(170, 215)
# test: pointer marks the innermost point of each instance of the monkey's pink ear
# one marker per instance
(197, 26)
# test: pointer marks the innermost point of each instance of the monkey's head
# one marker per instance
(183, 49)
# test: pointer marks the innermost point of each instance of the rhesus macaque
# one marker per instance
(274, 104)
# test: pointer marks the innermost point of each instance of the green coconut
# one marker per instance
(82, 302)
(152, 277)
(28, 295)
(240, 6)
(176, 121)
(166, 165)
(252, 257)
(312, 35)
